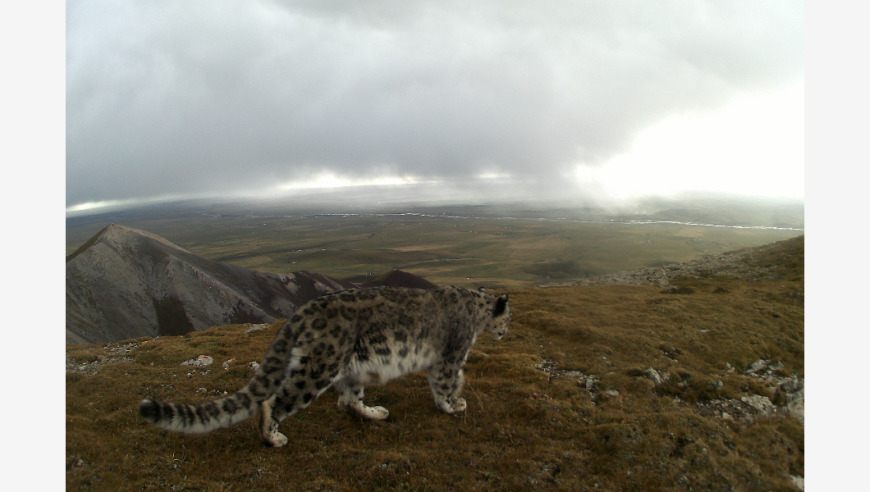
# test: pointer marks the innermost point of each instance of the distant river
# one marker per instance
(561, 219)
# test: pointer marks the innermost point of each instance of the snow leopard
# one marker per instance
(348, 340)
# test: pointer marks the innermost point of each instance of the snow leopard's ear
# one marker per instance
(500, 306)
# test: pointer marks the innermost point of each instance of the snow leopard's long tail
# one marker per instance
(224, 412)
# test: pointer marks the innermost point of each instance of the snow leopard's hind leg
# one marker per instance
(304, 384)
(350, 398)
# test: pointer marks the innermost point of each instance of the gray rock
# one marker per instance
(757, 366)
(797, 481)
(761, 404)
(654, 376)
(201, 361)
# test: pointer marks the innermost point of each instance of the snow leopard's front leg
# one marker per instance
(446, 382)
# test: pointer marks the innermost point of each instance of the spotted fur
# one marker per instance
(349, 340)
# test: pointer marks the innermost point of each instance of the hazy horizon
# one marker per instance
(375, 196)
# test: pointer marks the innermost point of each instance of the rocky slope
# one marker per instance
(125, 283)
(770, 262)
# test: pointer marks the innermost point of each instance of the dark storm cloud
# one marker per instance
(193, 97)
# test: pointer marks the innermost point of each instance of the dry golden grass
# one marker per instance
(524, 428)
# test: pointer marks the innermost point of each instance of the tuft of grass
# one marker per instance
(565, 401)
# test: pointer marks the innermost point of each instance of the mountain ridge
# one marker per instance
(117, 234)
(125, 283)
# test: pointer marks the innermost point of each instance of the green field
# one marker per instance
(470, 246)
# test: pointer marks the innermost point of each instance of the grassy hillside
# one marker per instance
(615, 387)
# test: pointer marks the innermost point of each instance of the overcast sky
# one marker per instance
(573, 98)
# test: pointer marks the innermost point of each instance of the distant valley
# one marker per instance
(497, 245)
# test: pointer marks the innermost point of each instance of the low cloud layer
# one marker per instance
(179, 98)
